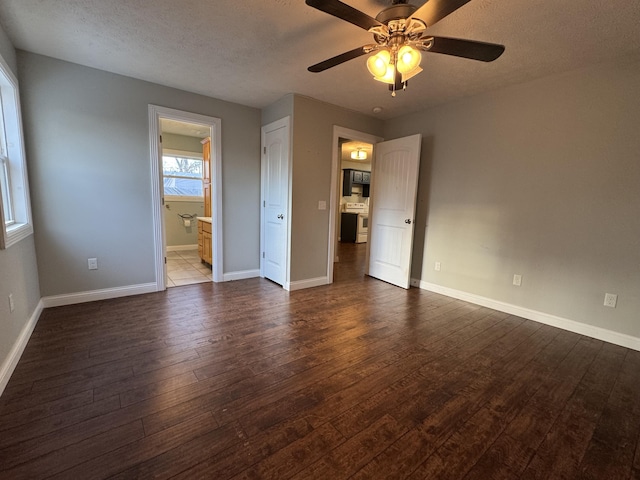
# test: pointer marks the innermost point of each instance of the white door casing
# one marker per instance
(275, 217)
(155, 113)
(392, 218)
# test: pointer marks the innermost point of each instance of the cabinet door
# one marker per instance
(366, 178)
(347, 177)
(207, 199)
(206, 248)
(206, 160)
(357, 176)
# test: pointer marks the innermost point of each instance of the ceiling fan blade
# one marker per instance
(345, 12)
(435, 10)
(485, 52)
(338, 59)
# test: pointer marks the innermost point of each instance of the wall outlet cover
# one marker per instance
(610, 300)
(517, 280)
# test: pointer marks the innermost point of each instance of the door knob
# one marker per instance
(281, 216)
(408, 221)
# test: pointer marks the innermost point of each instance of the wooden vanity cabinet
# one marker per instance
(204, 241)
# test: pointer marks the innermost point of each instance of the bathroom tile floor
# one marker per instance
(185, 268)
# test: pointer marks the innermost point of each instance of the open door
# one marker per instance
(391, 221)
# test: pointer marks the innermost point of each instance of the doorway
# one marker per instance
(350, 199)
(394, 174)
(185, 156)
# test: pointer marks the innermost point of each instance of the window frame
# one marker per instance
(17, 192)
(169, 152)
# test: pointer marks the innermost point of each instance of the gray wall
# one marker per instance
(313, 123)
(91, 179)
(540, 179)
(18, 270)
(175, 232)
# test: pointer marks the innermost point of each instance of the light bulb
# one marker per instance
(378, 64)
(408, 59)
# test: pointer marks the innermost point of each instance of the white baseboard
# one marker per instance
(9, 364)
(308, 283)
(180, 248)
(240, 275)
(571, 325)
(93, 295)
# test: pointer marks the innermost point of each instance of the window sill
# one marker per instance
(175, 198)
(17, 232)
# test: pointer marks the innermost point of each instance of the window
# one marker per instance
(14, 191)
(182, 175)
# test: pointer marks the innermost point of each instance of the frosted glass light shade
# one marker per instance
(408, 59)
(359, 155)
(380, 66)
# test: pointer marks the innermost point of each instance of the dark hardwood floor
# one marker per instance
(359, 379)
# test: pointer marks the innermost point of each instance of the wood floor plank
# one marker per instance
(358, 379)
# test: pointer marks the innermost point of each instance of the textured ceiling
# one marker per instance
(253, 52)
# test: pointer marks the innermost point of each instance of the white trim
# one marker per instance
(241, 275)
(334, 203)
(94, 295)
(10, 363)
(159, 240)
(215, 125)
(564, 323)
(308, 283)
(181, 248)
(19, 182)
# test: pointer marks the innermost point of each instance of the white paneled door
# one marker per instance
(391, 223)
(275, 196)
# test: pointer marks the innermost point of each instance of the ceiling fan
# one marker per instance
(399, 32)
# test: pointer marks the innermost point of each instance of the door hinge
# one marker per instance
(162, 200)
(165, 260)
(264, 150)
(160, 138)
(264, 203)
(262, 254)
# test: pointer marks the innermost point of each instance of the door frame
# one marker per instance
(281, 123)
(334, 198)
(159, 239)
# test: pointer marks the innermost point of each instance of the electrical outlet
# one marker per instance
(12, 306)
(610, 300)
(93, 263)
(436, 267)
(322, 205)
(517, 280)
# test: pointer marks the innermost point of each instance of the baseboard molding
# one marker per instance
(9, 364)
(102, 294)
(308, 283)
(180, 248)
(564, 323)
(240, 275)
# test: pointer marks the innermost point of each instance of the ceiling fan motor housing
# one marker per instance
(399, 11)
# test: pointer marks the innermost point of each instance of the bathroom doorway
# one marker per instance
(188, 197)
